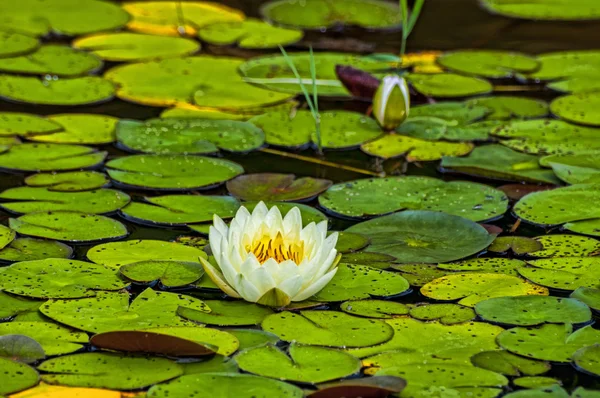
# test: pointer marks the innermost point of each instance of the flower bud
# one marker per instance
(391, 102)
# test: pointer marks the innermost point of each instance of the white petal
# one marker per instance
(262, 280)
(274, 220)
(220, 225)
(322, 228)
(248, 291)
(316, 287)
(214, 238)
(292, 223)
(249, 265)
(291, 286)
(259, 213)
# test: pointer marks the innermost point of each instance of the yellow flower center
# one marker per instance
(266, 248)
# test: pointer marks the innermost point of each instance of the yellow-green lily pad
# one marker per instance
(249, 33)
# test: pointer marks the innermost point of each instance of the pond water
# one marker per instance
(451, 283)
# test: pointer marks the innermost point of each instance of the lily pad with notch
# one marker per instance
(7, 235)
(274, 187)
(16, 376)
(494, 64)
(21, 348)
(579, 108)
(250, 33)
(519, 245)
(250, 338)
(452, 113)
(13, 44)
(13, 305)
(587, 359)
(414, 149)
(169, 273)
(511, 107)
(446, 314)
(349, 242)
(50, 157)
(17, 123)
(448, 85)
(80, 128)
(52, 59)
(579, 168)
(72, 181)
(54, 339)
(568, 71)
(381, 309)
(509, 364)
(566, 273)
(227, 313)
(589, 296)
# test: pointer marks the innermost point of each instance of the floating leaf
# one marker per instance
(381, 309)
(171, 172)
(487, 63)
(568, 71)
(587, 227)
(578, 108)
(373, 260)
(68, 226)
(434, 129)
(13, 44)
(414, 149)
(419, 274)
(493, 265)
(448, 85)
(54, 339)
(227, 313)
(349, 242)
(536, 382)
(423, 236)
(533, 310)
(272, 186)
(581, 392)
(589, 296)
(587, 359)
(580, 168)
(447, 314)
(26, 249)
(216, 364)
(560, 245)
(509, 364)
(7, 235)
(170, 273)
(371, 197)
(110, 311)
(72, 181)
(49, 157)
(451, 113)
(58, 278)
(517, 244)
(21, 348)
(16, 376)
(250, 338)
(554, 391)
(80, 129)
(496, 161)
(129, 47)
(472, 288)
(567, 273)
(557, 10)
(222, 342)
(16, 123)
(361, 388)
(11, 306)
(327, 328)
(52, 59)
(249, 33)
(511, 107)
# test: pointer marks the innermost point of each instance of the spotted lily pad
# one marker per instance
(586, 227)
(16, 376)
(567, 273)
(587, 359)
(16, 123)
(371, 197)
(170, 273)
(511, 107)
(80, 129)
(568, 71)
(557, 10)
(581, 392)
(414, 149)
(68, 226)
(227, 313)
(536, 382)
(493, 265)
(217, 364)
(54, 339)
(249, 33)
(560, 245)
(12, 44)
(11, 305)
(589, 296)
(7, 235)
(451, 113)
(509, 364)
(52, 59)
(58, 278)
(517, 244)
(171, 172)
(188, 136)
(73, 181)
(381, 309)
(21, 348)
(447, 314)
(327, 328)
(272, 186)
(348, 242)
(580, 168)
(110, 311)
(492, 64)
(129, 47)
(579, 108)
(423, 236)
(373, 260)
(550, 342)
(49, 157)
(448, 85)
(499, 162)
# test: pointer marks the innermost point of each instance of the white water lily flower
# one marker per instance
(271, 260)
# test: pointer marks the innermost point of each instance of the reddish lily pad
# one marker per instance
(274, 186)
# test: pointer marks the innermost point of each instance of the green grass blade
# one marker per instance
(414, 16)
(302, 87)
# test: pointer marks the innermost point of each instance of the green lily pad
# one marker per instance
(68, 226)
(117, 254)
(353, 282)
(587, 359)
(557, 10)
(33, 199)
(509, 364)
(52, 59)
(414, 149)
(171, 172)
(371, 197)
(423, 236)
(487, 63)
(227, 313)
(110, 311)
(188, 136)
(54, 339)
(451, 113)
(381, 309)
(130, 47)
(432, 129)
(536, 382)
(474, 287)
(567, 273)
(26, 249)
(216, 364)
(13, 44)
(249, 33)
(568, 71)
(273, 186)
(108, 370)
(533, 310)
(419, 274)
(560, 245)
(448, 85)
(447, 314)
(589, 296)
(16, 376)
(16, 123)
(223, 342)
(320, 14)
(550, 342)
(72, 181)
(225, 385)
(581, 392)
(67, 17)
(72, 91)
(49, 157)
(21, 348)
(578, 108)
(586, 227)
(11, 306)
(173, 210)
(204, 80)
(517, 244)
(7, 235)
(169, 273)
(496, 161)
(304, 364)
(80, 129)
(580, 168)
(559, 206)
(348, 242)
(554, 391)
(492, 265)
(250, 338)
(327, 328)
(511, 107)
(373, 260)
(58, 278)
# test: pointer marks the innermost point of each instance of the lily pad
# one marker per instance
(509, 364)
(272, 186)
(560, 245)
(496, 161)
(581, 392)
(446, 314)
(73, 181)
(327, 328)
(419, 274)
(250, 338)
(517, 244)
(536, 382)
(511, 107)
(348, 242)
(107, 370)
(533, 310)
(188, 136)
(16, 376)
(550, 342)
(432, 129)
(578, 108)
(225, 385)
(50, 157)
(567, 273)
(13, 44)
(359, 388)
(472, 288)
(110, 311)
(371, 197)
(117, 254)
(68, 226)
(381, 309)
(452, 113)
(173, 210)
(52, 59)
(169, 273)
(487, 63)
(216, 364)
(249, 33)
(557, 10)
(21, 348)
(304, 364)
(58, 278)
(373, 260)
(589, 296)
(492, 265)
(54, 339)
(16, 123)
(7, 235)
(424, 236)
(129, 47)
(11, 306)
(227, 313)
(204, 80)
(320, 14)
(554, 391)
(586, 227)
(580, 168)
(448, 85)
(33, 199)
(414, 149)
(80, 129)
(568, 71)
(171, 172)
(72, 91)
(587, 359)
